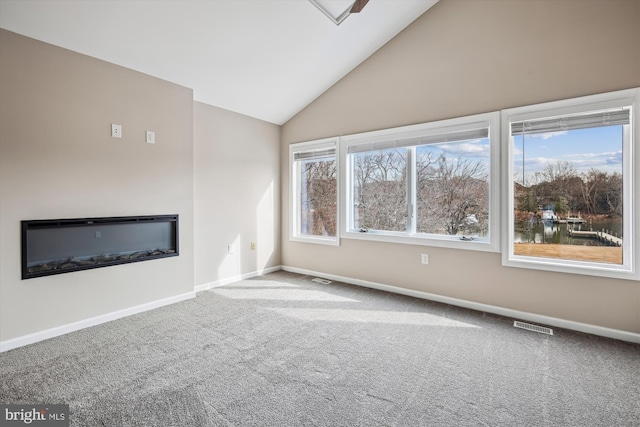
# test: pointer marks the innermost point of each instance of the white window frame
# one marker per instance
(490, 244)
(295, 189)
(631, 165)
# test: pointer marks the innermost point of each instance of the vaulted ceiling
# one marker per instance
(264, 58)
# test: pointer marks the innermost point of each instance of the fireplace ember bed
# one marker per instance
(56, 246)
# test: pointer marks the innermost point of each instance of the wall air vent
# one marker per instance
(534, 328)
(323, 281)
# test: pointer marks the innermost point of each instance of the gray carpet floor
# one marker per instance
(281, 350)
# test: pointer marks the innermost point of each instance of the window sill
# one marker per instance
(478, 244)
(319, 240)
(584, 268)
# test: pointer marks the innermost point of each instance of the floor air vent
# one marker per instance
(534, 328)
(323, 281)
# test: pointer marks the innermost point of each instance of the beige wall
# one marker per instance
(57, 160)
(217, 169)
(462, 58)
(237, 194)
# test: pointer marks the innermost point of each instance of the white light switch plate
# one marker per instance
(151, 137)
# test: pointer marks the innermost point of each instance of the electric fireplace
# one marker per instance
(56, 246)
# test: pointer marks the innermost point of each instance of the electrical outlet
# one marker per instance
(116, 130)
(425, 258)
(253, 246)
(230, 249)
(151, 137)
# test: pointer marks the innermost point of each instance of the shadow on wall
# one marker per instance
(253, 248)
(266, 228)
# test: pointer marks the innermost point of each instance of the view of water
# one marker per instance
(547, 232)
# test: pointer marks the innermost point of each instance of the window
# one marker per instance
(431, 184)
(380, 190)
(571, 205)
(314, 198)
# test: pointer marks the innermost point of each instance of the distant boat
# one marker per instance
(549, 215)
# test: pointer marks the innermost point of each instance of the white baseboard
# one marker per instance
(521, 315)
(531, 317)
(226, 281)
(76, 326)
(93, 321)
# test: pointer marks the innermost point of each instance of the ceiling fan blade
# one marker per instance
(358, 6)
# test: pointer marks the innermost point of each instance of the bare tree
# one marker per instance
(613, 193)
(559, 174)
(319, 216)
(381, 190)
(453, 195)
(593, 183)
(557, 184)
(594, 192)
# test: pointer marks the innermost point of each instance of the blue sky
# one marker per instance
(598, 148)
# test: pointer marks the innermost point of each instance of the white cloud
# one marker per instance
(467, 147)
(606, 162)
(548, 134)
(607, 155)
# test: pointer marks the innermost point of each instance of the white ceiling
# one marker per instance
(264, 58)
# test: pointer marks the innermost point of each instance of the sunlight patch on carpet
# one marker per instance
(369, 316)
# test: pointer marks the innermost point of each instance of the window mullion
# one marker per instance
(297, 197)
(350, 193)
(411, 190)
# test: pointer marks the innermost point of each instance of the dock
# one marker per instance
(570, 220)
(575, 220)
(598, 235)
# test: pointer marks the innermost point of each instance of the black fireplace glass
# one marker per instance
(65, 245)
